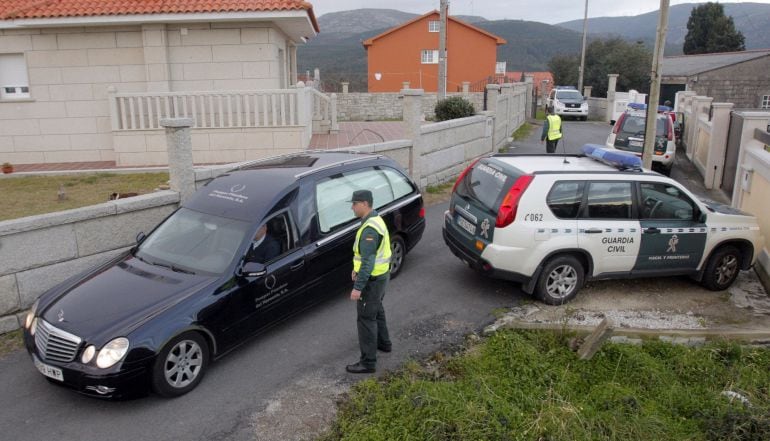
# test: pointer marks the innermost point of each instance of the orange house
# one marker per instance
(409, 52)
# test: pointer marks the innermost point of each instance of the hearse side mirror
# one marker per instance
(140, 237)
(251, 269)
(612, 122)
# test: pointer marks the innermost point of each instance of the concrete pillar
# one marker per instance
(679, 99)
(529, 80)
(506, 88)
(466, 87)
(700, 106)
(493, 91)
(612, 84)
(412, 118)
(345, 86)
(752, 120)
(335, 127)
(544, 92)
(720, 125)
(180, 160)
(587, 91)
(317, 75)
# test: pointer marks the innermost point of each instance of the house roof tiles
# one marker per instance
(33, 9)
(498, 40)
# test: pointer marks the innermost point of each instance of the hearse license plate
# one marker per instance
(467, 226)
(48, 371)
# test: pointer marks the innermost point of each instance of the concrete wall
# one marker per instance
(597, 108)
(390, 105)
(742, 84)
(38, 252)
(447, 147)
(67, 118)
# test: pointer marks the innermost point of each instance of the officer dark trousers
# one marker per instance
(550, 146)
(372, 327)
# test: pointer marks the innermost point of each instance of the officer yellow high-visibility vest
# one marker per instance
(382, 259)
(554, 127)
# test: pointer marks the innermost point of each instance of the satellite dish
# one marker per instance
(377, 76)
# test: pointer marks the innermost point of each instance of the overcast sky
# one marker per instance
(546, 11)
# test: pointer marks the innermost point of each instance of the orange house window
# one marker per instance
(429, 56)
(434, 26)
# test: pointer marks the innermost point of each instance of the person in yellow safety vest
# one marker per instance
(371, 272)
(551, 131)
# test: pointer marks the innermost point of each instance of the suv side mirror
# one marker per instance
(140, 237)
(702, 217)
(251, 269)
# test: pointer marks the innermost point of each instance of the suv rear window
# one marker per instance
(564, 199)
(485, 183)
(634, 125)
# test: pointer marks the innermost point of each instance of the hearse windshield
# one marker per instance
(194, 242)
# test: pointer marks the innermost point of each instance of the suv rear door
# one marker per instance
(475, 202)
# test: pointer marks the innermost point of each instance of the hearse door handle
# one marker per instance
(297, 265)
(652, 230)
(594, 231)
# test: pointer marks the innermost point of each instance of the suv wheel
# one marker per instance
(397, 253)
(560, 280)
(722, 269)
(180, 365)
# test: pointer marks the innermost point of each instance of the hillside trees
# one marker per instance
(710, 31)
(632, 61)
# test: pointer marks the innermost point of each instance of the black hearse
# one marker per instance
(188, 292)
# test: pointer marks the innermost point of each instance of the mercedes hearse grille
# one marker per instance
(54, 344)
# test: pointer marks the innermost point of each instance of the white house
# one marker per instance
(88, 80)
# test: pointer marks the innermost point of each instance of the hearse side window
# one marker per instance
(564, 199)
(399, 183)
(663, 201)
(333, 195)
(608, 200)
(279, 228)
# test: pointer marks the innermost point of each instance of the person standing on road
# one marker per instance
(371, 272)
(551, 130)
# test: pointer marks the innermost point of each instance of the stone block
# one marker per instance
(257, 69)
(44, 42)
(12, 127)
(9, 294)
(71, 92)
(103, 125)
(190, 54)
(159, 199)
(128, 39)
(80, 109)
(112, 232)
(212, 71)
(156, 143)
(245, 52)
(6, 144)
(129, 159)
(37, 110)
(36, 248)
(198, 37)
(94, 40)
(66, 126)
(33, 283)
(8, 324)
(54, 58)
(24, 157)
(183, 86)
(41, 142)
(254, 35)
(50, 220)
(128, 143)
(131, 73)
(98, 141)
(287, 139)
(16, 43)
(200, 141)
(116, 56)
(44, 75)
(92, 74)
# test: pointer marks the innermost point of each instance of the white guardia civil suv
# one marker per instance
(551, 222)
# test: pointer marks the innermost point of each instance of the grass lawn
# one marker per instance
(30, 195)
(527, 385)
(523, 132)
(10, 342)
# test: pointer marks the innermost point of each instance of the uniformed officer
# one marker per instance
(371, 272)
(551, 130)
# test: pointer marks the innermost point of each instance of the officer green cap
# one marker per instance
(362, 196)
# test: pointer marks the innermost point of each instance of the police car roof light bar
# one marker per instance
(643, 106)
(614, 158)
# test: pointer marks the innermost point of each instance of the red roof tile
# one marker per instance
(31, 9)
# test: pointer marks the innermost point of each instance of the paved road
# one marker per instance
(576, 134)
(436, 301)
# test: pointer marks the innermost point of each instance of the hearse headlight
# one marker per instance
(112, 352)
(88, 354)
(31, 314)
(33, 327)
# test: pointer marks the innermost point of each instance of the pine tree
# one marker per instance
(710, 31)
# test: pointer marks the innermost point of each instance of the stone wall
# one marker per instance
(389, 106)
(742, 84)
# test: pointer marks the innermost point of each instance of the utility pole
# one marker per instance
(654, 97)
(583, 51)
(442, 51)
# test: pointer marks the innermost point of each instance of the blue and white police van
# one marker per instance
(553, 222)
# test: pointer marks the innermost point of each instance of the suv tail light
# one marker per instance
(618, 123)
(507, 212)
(670, 124)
